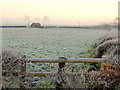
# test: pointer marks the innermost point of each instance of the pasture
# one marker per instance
(50, 42)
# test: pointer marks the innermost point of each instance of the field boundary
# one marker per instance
(104, 65)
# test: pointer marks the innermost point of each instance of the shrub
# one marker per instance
(11, 67)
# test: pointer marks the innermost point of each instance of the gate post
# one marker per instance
(23, 72)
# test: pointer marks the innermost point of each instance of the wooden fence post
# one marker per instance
(61, 81)
(23, 73)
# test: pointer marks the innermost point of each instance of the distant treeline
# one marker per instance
(12, 26)
(85, 27)
(42, 27)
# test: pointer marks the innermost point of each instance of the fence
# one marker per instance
(104, 65)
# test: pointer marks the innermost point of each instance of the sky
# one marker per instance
(58, 12)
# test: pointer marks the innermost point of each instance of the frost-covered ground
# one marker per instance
(51, 42)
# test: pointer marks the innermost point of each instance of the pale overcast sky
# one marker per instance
(60, 12)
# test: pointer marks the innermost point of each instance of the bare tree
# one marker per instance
(27, 19)
(79, 24)
(46, 19)
(116, 21)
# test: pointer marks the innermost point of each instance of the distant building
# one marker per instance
(35, 24)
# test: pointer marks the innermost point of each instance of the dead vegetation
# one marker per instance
(109, 48)
(11, 67)
(103, 79)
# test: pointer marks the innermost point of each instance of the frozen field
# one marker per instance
(51, 42)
